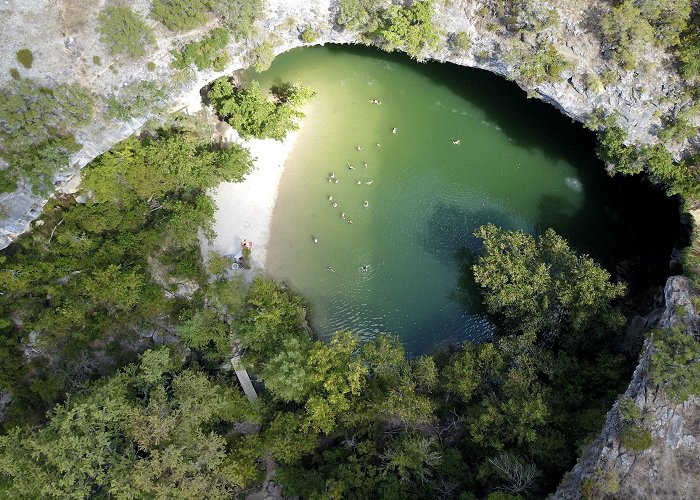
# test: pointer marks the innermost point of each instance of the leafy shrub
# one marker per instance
(151, 66)
(689, 51)
(309, 35)
(25, 58)
(136, 99)
(238, 15)
(36, 126)
(600, 484)
(253, 114)
(545, 65)
(261, 56)
(460, 43)
(14, 73)
(359, 14)
(96, 60)
(180, 15)
(669, 18)
(205, 54)
(675, 363)
(124, 31)
(635, 437)
(409, 28)
(626, 33)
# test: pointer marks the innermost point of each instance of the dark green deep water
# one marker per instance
(520, 164)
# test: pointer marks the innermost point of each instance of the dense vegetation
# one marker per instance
(208, 53)
(98, 281)
(124, 31)
(335, 417)
(252, 114)
(36, 130)
(92, 275)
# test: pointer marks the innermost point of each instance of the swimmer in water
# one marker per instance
(393, 130)
(369, 182)
(359, 182)
(343, 215)
(365, 164)
(378, 145)
(349, 221)
(350, 166)
(335, 205)
(359, 148)
(330, 198)
(332, 175)
(329, 268)
(315, 239)
(336, 181)
(456, 142)
(366, 204)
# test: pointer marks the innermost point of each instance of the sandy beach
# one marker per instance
(244, 210)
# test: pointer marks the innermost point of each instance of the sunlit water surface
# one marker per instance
(518, 163)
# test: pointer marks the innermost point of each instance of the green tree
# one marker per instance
(25, 58)
(238, 15)
(409, 28)
(180, 15)
(542, 286)
(626, 33)
(205, 54)
(674, 363)
(90, 444)
(253, 114)
(359, 14)
(124, 31)
(689, 51)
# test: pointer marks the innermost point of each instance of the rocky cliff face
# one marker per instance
(61, 34)
(668, 469)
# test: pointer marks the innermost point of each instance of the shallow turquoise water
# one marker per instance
(518, 164)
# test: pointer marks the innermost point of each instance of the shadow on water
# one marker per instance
(631, 212)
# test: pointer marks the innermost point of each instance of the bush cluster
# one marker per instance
(25, 57)
(207, 53)
(124, 31)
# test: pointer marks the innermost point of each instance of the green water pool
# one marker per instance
(448, 149)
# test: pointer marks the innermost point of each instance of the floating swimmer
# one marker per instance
(364, 268)
(349, 221)
(393, 130)
(330, 198)
(350, 166)
(359, 148)
(365, 164)
(335, 205)
(366, 204)
(343, 215)
(332, 175)
(375, 101)
(378, 145)
(369, 182)
(336, 181)
(315, 239)
(456, 142)
(359, 182)
(329, 268)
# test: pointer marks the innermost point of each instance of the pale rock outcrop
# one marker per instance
(61, 34)
(668, 469)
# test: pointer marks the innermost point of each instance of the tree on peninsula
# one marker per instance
(252, 114)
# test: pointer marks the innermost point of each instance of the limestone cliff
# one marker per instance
(61, 34)
(668, 469)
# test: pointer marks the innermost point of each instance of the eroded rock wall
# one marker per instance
(62, 37)
(669, 468)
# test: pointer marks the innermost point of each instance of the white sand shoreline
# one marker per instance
(244, 209)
